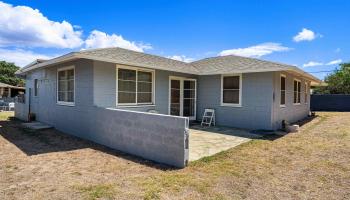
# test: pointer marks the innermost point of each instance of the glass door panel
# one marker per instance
(189, 98)
(175, 97)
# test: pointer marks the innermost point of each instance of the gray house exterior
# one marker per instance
(175, 92)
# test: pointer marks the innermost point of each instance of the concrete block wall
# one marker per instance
(161, 138)
(157, 137)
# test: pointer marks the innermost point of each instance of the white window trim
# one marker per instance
(181, 79)
(136, 104)
(240, 91)
(298, 80)
(285, 91)
(64, 103)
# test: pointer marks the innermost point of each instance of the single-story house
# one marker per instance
(10, 91)
(244, 92)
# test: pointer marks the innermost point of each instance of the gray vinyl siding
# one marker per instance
(257, 94)
(106, 93)
(291, 112)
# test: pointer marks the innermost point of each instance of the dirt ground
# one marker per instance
(311, 164)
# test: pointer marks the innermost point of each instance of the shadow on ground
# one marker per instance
(307, 120)
(35, 142)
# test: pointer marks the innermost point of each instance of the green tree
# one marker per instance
(7, 74)
(338, 82)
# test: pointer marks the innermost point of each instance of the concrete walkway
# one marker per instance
(209, 141)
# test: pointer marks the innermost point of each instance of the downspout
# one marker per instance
(29, 104)
(273, 100)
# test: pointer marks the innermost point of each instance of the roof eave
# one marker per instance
(64, 58)
(314, 81)
(295, 70)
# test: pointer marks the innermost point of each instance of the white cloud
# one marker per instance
(23, 26)
(256, 51)
(334, 62)
(312, 64)
(20, 57)
(182, 58)
(305, 35)
(99, 39)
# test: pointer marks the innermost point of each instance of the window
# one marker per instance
(231, 90)
(297, 88)
(65, 85)
(135, 86)
(36, 87)
(306, 93)
(283, 90)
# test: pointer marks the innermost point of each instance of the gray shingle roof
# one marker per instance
(236, 64)
(207, 66)
(128, 57)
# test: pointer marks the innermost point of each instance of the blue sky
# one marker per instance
(313, 35)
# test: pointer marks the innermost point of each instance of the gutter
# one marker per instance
(64, 58)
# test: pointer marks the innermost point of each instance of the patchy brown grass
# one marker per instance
(311, 164)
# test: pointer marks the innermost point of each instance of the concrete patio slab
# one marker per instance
(207, 141)
(36, 125)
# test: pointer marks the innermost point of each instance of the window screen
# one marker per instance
(134, 87)
(231, 89)
(283, 90)
(66, 86)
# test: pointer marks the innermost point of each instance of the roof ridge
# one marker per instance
(88, 50)
(95, 49)
(143, 53)
(244, 57)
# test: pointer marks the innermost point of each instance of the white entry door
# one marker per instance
(182, 97)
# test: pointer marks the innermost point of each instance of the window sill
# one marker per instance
(66, 103)
(297, 104)
(136, 106)
(282, 106)
(231, 105)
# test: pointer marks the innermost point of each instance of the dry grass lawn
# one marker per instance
(311, 164)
